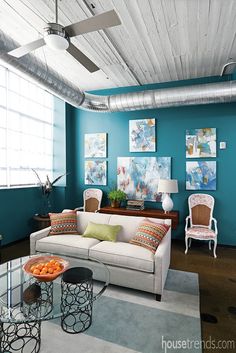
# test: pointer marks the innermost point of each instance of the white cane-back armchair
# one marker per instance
(200, 223)
(92, 200)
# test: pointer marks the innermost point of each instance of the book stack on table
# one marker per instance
(136, 205)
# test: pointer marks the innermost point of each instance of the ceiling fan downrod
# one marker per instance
(56, 11)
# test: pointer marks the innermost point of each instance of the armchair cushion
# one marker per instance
(200, 233)
(149, 235)
(63, 223)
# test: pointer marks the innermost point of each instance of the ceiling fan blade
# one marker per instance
(27, 48)
(95, 23)
(82, 58)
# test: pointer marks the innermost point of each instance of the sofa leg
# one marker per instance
(158, 297)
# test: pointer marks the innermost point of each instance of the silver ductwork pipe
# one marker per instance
(40, 73)
(223, 92)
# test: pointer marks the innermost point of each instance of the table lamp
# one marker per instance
(167, 187)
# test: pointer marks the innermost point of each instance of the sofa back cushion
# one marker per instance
(149, 235)
(83, 218)
(63, 223)
(102, 231)
(130, 225)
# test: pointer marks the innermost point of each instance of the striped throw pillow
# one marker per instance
(149, 235)
(63, 223)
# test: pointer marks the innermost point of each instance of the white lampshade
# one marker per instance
(169, 186)
(56, 42)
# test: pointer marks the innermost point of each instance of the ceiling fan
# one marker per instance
(57, 37)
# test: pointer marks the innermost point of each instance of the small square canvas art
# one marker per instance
(95, 172)
(138, 177)
(201, 143)
(201, 175)
(142, 135)
(95, 145)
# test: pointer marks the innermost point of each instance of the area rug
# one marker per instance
(129, 321)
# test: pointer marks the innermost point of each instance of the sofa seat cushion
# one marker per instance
(123, 255)
(66, 244)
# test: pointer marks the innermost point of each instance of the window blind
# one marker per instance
(26, 130)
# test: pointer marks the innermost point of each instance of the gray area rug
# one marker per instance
(129, 321)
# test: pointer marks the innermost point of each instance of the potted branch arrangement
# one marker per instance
(116, 197)
(46, 189)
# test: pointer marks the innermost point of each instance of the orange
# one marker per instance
(32, 268)
(43, 273)
(36, 272)
(39, 266)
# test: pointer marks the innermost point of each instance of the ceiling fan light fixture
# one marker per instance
(56, 42)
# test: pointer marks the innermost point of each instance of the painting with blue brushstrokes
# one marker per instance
(95, 172)
(142, 135)
(201, 175)
(201, 143)
(138, 177)
(95, 145)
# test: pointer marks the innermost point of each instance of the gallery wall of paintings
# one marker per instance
(138, 176)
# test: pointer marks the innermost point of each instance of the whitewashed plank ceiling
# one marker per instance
(158, 40)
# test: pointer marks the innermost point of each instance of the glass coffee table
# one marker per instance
(26, 302)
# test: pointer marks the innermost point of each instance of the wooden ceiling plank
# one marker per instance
(225, 32)
(129, 30)
(164, 38)
(157, 58)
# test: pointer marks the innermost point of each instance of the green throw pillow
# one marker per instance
(101, 231)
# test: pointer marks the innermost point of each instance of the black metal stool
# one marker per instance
(76, 299)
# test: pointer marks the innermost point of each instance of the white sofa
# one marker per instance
(129, 265)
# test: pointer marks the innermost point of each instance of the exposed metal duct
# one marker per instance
(223, 92)
(40, 73)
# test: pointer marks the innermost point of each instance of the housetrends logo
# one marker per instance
(188, 344)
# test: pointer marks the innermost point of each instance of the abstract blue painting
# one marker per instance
(138, 177)
(201, 175)
(95, 145)
(95, 172)
(201, 143)
(142, 135)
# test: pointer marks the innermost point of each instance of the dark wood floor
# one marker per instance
(217, 279)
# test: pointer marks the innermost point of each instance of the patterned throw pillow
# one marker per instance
(63, 223)
(149, 235)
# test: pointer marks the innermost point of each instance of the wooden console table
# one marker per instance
(148, 212)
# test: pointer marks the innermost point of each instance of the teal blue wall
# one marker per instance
(171, 126)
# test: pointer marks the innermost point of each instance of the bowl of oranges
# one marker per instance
(45, 268)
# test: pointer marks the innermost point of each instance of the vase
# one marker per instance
(115, 203)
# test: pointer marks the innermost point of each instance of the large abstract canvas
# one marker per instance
(95, 145)
(201, 175)
(201, 143)
(95, 172)
(142, 135)
(138, 177)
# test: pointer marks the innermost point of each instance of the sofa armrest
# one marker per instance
(34, 237)
(162, 262)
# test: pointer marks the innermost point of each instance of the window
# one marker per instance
(26, 130)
